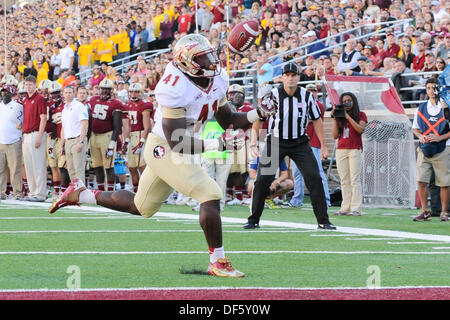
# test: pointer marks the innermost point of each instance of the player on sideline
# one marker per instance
(191, 91)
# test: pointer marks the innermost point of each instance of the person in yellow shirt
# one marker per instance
(84, 55)
(95, 44)
(123, 41)
(105, 49)
(42, 74)
(113, 37)
(159, 17)
(169, 10)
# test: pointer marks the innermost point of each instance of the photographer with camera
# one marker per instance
(431, 128)
(348, 126)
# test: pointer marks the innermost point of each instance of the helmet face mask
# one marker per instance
(105, 93)
(207, 63)
(56, 96)
(134, 95)
(237, 98)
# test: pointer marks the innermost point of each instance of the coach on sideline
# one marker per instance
(75, 122)
(10, 142)
(287, 137)
(34, 145)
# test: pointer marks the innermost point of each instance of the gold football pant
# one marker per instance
(167, 170)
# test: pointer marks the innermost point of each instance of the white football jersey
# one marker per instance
(176, 90)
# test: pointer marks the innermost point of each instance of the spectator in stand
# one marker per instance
(430, 64)
(67, 55)
(419, 60)
(427, 40)
(265, 69)
(370, 69)
(97, 76)
(218, 12)
(406, 55)
(380, 52)
(29, 70)
(84, 55)
(184, 21)
(443, 46)
(319, 46)
(392, 47)
(401, 82)
(166, 32)
(275, 62)
(440, 64)
(349, 58)
(388, 66)
(330, 69)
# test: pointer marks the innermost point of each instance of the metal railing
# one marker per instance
(396, 23)
(121, 64)
(252, 78)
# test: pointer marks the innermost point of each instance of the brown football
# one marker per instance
(242, 36)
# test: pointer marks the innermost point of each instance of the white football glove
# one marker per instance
(50, 149)
(111, 148)
(268, 106)
(232, 140)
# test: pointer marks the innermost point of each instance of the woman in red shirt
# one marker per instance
(348, 131)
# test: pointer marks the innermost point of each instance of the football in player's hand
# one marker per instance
(242, 36)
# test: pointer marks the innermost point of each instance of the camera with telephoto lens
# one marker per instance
(339, 110)
(437, 92)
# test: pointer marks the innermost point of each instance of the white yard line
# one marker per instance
(142, 231)
(359, 231)
(295, 252)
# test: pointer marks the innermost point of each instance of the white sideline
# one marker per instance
(360, 231)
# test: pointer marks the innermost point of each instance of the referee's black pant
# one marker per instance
(299, 151)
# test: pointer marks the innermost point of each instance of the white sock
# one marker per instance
(87, 196)
(216, 254)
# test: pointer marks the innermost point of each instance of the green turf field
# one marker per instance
(113, 250)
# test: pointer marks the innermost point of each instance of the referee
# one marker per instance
(287, 137)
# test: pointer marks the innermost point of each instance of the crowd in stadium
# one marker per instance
(59, 40)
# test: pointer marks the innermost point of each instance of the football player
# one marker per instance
(43, 87)
(191, 91)
(140, 117)
(21, 92)
(239, 172)
(56, 160)
(106, 126)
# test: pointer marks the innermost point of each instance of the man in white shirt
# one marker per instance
(67, 56)
(11, 142)
(431, 128)
(349, 58)
(75, 121)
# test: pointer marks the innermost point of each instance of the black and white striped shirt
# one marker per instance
(293, 114)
